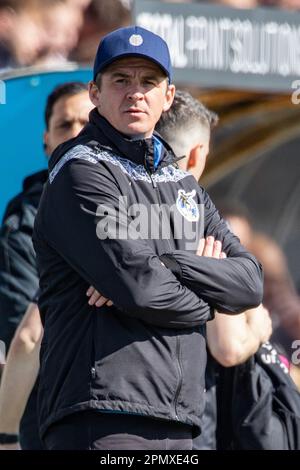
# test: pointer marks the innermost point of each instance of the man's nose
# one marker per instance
(135, 93)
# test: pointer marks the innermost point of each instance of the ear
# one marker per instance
(197, 160)
(94, 93)
(169, 97)
(194, 156)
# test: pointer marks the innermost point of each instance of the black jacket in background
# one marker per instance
(146, 354)
(18, 271)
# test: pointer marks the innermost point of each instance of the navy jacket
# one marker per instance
(146, 354)
(18, 271)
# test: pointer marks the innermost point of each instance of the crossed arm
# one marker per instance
(180, 309)
(231, 340)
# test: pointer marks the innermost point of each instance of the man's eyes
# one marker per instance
(146, 81)
(150, 82)
(121, 80)
(65, 125)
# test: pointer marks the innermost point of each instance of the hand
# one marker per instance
(259, 321)
(15, 446)
(210, 248)
(97, 299)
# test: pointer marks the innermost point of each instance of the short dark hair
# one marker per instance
(65, 89)
(185, 109)
(187, 121)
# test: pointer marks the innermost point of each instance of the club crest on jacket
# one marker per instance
(187, 206)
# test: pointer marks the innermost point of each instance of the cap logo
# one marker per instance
(136, 40)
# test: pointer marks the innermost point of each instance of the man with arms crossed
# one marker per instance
(130, 376)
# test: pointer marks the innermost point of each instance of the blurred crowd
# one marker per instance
(49, 33)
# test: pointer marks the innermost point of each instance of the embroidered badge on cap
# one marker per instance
(187, 206)
(136, 40)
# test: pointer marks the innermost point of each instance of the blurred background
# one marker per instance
(254, 152)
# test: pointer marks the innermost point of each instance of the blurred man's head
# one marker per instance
(21, 32)
(186, 127)
(66, 113)
(100, 17)
(62, 21)
(35, 32)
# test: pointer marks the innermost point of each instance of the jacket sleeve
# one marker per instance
(125, 270)
(18, 275)
(230, 285)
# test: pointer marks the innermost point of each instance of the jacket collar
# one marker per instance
(32, 190)
(134, 150)
(142, 152)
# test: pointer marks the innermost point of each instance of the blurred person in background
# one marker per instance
(231, 339)
(191, 136)
(62, 21)
(100, 17)
(22, 36)
(66, 113)
(34, 32)
(280, 295)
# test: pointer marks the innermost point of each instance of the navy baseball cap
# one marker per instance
(133, 41)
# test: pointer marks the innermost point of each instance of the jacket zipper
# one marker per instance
(180, 377)
(160, 204)
(155, 187)
(158, 195)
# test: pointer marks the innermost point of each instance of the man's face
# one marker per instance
(133, 94)
(69, 115)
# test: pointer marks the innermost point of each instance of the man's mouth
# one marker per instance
(134, 111)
